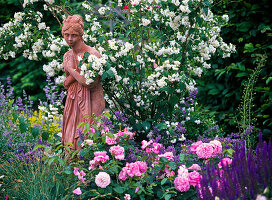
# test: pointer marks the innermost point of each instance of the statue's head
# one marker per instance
(75, 22)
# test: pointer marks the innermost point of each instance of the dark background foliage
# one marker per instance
(220, 90)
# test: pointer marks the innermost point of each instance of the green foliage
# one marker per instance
(34, 180)
(249, 29)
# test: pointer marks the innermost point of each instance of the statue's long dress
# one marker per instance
(80, 101)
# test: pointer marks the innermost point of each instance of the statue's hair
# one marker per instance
(74, 21)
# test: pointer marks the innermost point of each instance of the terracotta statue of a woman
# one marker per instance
(82, 99)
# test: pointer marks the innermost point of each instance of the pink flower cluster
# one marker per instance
(118, 152)
(133, 169)
(127, 135)
(155, 146)
(206, 150)
(185, 178)
(80, 174)
(100, 156)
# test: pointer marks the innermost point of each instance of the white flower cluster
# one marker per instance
(26, 2)
(50, 113)
(102, 10)
(94, 66)
(52, 67)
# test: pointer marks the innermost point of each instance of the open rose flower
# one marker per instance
(102, 179)
(77, 191)
(205, 150)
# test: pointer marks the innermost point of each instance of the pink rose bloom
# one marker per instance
(145, 144)
(93, 164)
(120, 134)
(101, 156)
(123, 174)
(224, 162)
(77, 191)
(107, 129)
(110, 141)
(142, 166)
(194, 178)
(76, 171)
(194, 146)
(195, 167)
(148, 150)
(182, 183)
(168, 155)
(127, 197)
(89, 142)
(102, 132)
(217, 147)
(81, 176)
(92, 129)
(205, 150)
(156, 147)
(118, 152)
(183, 171)
(102, 179)
(133, 169)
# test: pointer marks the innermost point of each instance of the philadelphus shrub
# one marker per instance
(150, 57)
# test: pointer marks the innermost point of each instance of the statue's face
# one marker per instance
(72, 37)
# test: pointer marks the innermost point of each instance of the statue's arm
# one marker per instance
(68, 81)
(69, 66)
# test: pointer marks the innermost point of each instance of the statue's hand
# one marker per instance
(69, 80)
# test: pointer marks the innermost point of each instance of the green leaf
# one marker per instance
(164, 181)
(241, 74)
(35, 131)
(119, 189)
(168, 196)
(146, 125)
(181, 157)
(14, 117)
(172, 165)
(38, 147)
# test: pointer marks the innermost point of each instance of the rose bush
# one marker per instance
(106, 170)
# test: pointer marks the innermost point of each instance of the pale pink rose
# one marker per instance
(93, 164)
(183, 171)
(102, 179)
(195, 167)
(123, 174)
(101, 156)
(224, 162)
(156, 147)
(205, 150)
(182, 183)
(76, 171)
(77, 191)
(127, 197)
(120, 157)
(142, 166)
(89, 142)
(194, 178)
(110, 141)
(194, 146)
(217, 147)
(168, 155)
(145, 144)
